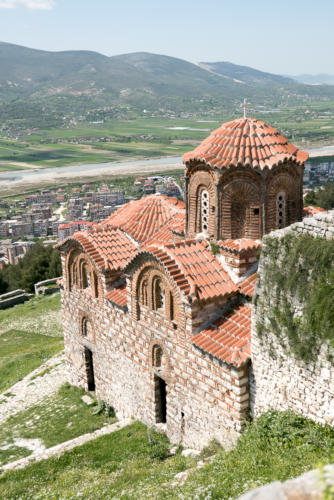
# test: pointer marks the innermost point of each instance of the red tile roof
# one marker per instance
(246, 141)
(240, 245)
(110, 248)
(309, 211)
(248, 285)
(118, 295)
(175, 227)
(142, 218)
(194, 268)
(228, 338)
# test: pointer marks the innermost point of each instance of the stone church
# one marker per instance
(156, 299)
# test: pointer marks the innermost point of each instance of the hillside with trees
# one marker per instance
(39, 263)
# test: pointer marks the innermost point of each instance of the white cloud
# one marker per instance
(28, 4)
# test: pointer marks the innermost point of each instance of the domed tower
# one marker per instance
(243, 181)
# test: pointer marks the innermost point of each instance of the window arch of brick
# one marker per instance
(81, 273)
(241, 210)
(201, 198)
(287, 186)
(157, 354)
(154, 291)
(84, 326)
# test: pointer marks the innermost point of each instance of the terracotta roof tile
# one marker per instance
(191, 263)
(143, 218)
(246, 141)
(308, 211)
(228, 338)
(239, 245)
(118, 295)
(248, 285)
(110, 248)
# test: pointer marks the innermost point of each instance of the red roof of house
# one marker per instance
(142, 218)
(228, 338)
(118, 295)
(246, 141)
(308, 211)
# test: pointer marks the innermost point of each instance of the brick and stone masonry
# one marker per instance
(155, 299)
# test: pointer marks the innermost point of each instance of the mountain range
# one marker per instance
(73, 81)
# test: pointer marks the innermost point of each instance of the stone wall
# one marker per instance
(279, 380)
(206, 398)
(13, 298)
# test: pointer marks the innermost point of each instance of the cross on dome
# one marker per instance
(245, 107)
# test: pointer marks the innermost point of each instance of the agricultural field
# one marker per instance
(141, 138)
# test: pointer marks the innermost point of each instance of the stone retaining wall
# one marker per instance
(281, 382)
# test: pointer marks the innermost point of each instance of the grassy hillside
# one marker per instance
(47, 87)
(30, 334)
(125, 465)
(244, 74)
(57, 419)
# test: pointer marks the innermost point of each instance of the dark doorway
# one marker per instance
(160, 400)
(89, 369)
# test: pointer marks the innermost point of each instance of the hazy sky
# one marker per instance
(286, 36)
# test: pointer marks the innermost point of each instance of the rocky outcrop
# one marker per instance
(313, 485)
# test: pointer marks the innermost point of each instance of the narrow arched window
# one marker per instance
(171, 306)
(281, 210)
(158, 294)
(85, 277)
(84, 325)
(204, 211)
(144, 293)
(156, 356)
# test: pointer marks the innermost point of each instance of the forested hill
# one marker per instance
(244, 74)
(70, 81)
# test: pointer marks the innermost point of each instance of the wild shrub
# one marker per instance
(298, 286)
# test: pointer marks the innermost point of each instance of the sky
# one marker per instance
(285, 37)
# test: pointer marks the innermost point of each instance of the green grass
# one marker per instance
(30, 334)
(58, 419)
(114, 466)
(120, 465)
(6, 168)
(40, 314)
(22, 352)
(279, 446)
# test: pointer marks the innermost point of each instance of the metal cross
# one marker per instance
(245, 106)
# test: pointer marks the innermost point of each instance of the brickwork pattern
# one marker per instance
(206, 398)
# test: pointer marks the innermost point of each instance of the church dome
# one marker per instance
(246, 142)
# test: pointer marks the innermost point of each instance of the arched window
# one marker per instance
(84, 327)
(156, 356)
(281, 210)
(158, 294)
(171, 306)
(85, 276)
(144, 293)
(204, 211)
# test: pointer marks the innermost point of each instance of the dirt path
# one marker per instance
(34, 387)
(58, 449)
